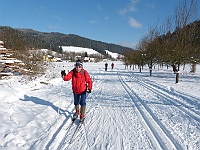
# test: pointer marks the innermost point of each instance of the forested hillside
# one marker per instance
(28, 38)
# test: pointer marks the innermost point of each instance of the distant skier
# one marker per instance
(106, 66)
(81, 83)
(112, 65)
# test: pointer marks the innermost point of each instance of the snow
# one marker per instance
(126, 110)
(2, 48)
(7, 61)
(114, 55)
(79, 50)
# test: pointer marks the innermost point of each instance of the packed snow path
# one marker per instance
(124, 112)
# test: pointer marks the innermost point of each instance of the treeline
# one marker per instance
(20, 50)
(31, 39)
(11, 39)
(174, 43)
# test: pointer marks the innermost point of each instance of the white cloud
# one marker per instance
(93, 21)
(129, 8)
(134, 23)
(122, 11)
(53, 27)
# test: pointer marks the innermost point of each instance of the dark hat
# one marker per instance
(79, 63)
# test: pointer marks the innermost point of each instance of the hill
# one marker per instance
(35, 39)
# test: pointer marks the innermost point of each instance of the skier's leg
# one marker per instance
(76, 103)
(77, 109)
(83, 104)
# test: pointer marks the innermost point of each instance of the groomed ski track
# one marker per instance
(119, 116)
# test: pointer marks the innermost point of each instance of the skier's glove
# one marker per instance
(89, 91)
(63, 73)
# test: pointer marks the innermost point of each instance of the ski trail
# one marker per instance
(170, 97)
(112, 111)
(159, 134)
(186, 100)
(117, 118)
(190, 99)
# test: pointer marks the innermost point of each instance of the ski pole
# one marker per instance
(60, 98)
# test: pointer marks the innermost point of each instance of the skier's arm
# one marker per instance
(68, 76)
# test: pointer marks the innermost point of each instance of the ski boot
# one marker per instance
(82, 118)
(74, 116)
(76, 113)
(82, 114)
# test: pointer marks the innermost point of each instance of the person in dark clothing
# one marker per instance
(106, 66)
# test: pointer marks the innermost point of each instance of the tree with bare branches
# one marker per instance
(177, 45)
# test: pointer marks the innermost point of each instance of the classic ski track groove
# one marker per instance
(163, 138)
(170, 98)
(191, 100)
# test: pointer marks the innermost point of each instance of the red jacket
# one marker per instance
(81, 81)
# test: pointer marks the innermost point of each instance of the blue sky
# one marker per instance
(122, 22)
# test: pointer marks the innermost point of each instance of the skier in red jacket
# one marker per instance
(81, 83)
(112, 65)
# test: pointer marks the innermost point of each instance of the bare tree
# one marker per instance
(178, 44)
(149, 47)
(152, 50)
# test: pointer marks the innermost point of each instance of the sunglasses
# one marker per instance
(78, 66)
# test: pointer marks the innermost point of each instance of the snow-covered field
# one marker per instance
(79, 50)
(126, 110)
